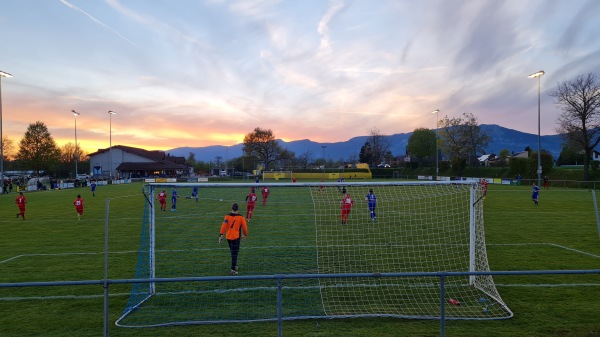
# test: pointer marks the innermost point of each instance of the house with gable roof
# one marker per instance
(130, 162)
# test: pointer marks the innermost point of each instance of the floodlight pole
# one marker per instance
(539, 170)
(437, 168)
(110, 164)
(2, 74)
(76, 155)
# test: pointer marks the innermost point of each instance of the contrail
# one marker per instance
(97, 21)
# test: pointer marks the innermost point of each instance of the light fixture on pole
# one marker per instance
(437, 169)
(76, 153)
(539, 170)
(2, 74)
(110, 164)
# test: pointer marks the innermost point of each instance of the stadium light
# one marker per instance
(539, 170)
(76, 155)
(110, 164)
(437, 169)
(2, 74)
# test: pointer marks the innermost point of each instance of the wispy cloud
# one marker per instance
(70, 5)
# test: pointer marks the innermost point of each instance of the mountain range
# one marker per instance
(501, 138)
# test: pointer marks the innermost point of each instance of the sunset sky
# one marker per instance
(207, 72)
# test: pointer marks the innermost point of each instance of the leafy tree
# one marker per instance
(421, 144)
(504, 154)
(579, 121)
(7, 148)
(38, 150)
(261, 144)
(68, 155)
(191, 159)
(366, 154)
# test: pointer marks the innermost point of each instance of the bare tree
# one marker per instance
(579, 100)
(462, 137)
(379, 144)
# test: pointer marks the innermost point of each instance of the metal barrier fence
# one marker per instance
(105, 283)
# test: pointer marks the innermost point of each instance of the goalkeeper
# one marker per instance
(235, 229)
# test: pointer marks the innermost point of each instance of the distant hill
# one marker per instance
(502, 138)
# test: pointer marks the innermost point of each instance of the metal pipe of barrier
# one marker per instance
(279, 278)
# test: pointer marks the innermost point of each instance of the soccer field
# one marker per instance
(52, 245)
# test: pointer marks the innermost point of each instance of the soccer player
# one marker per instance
(347, 204)
(372, 203)
(265, 194)
(174, 197)
(546, 181)
(484, 187)
(234, 225)
(194, 194)
(21, 201)
(79, 204)
(162, 199)
(322, 186)
(251, 199)
(535, 193)
(93, 185)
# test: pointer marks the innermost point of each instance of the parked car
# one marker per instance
(82, 176)
(384, 165)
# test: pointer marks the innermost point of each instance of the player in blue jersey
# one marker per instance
(535, 193)
(174, 197)
(194, 194)
(372, 203)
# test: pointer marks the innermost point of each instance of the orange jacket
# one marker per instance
(232, 225)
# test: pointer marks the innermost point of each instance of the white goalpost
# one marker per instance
(302, 228)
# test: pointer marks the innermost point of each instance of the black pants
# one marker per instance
(234, 248)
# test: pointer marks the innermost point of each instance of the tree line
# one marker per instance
(458, 141)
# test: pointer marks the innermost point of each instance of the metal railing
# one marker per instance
(105, 283)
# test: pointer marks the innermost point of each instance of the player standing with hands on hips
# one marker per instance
(235, 229)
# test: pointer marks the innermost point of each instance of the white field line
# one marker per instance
(543, 285)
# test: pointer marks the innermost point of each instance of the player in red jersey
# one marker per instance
(347, 204)
(162, 198)
(79, 204)
(21, 201)
(484, 187)
(251, 199)
(265, 194)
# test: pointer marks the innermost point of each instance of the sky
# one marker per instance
(207, 72)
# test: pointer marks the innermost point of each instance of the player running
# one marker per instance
(251, 199)
(79, 204)
(265, 194)
(21, 201)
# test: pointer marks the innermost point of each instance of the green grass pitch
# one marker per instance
(52, 245)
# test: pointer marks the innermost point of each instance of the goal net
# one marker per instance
(420, 227)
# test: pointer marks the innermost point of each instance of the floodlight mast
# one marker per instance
(2, 74)
(437, 168)
(110, 164)
(539, 74)
(76, 154)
